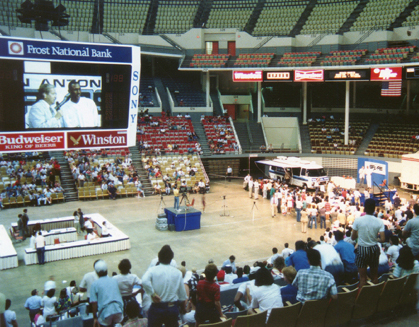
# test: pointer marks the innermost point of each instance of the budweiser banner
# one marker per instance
(92, 139)
(28, 142)
(316, 75)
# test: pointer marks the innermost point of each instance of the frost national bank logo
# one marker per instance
(16, 48)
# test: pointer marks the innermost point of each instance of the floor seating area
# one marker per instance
(230, 13)
(328, 16)
(327, 137)
(254, 60)
(220, 135)
(393, 140)
(284, 11)
(175, 16)
(343, 57)
(209, 60)
(185, 92)
(379, 14)
(298, 59)
(91, 190)
(170, 164)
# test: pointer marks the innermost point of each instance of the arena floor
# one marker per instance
(219, 237)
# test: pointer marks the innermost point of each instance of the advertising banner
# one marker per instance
(247, 76)
(386, 74)
(316, 75)
(28, 142)
(88, 139)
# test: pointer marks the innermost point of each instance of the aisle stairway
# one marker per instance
(367, 139)
(142, 174)
(305, 139)
(199, 130)
(67, 181)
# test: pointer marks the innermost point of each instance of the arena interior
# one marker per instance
(194, 111)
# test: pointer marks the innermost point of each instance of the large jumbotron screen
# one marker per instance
(64, 95)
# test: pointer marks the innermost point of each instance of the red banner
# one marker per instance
(309, 75)
(247, 76)
(28, 142)
(386, 74)
(91, 139)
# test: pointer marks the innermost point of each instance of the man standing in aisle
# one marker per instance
(365, 229)
(105, 298)
(79, 111)
(25, 221)
(164, 284)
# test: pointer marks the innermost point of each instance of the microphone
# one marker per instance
(59, 105)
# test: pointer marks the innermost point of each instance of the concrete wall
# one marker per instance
(281, 132)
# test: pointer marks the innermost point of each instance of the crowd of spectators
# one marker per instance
(32, 182)
(220, 134)
(181, 173)
(104, 170)
(167, 135)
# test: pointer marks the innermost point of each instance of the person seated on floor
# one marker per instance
(289, 292)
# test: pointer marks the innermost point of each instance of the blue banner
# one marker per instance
(15, 48)
(372, 172)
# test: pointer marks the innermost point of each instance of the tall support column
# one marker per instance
(354, 95)
(208, 89)
(407, 97)
(304, 103)
(259, 108)
(347, 92)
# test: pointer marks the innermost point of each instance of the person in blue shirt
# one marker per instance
(347, 254)
(33, 304)
(240, 278)
(299, 258)
(230, 262)
(289, 292)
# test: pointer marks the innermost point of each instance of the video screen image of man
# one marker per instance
(43, 114)
(79, 111)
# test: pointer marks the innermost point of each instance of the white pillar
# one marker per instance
(208, 89)
(259, 108)
(304, 103)
(354, 95)
(407, 97)
(347, 112)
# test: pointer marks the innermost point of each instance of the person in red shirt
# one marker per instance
(208, 305)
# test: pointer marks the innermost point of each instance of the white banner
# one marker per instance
(376, 168)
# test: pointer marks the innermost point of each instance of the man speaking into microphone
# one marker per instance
(79, 112)
(43, 114)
